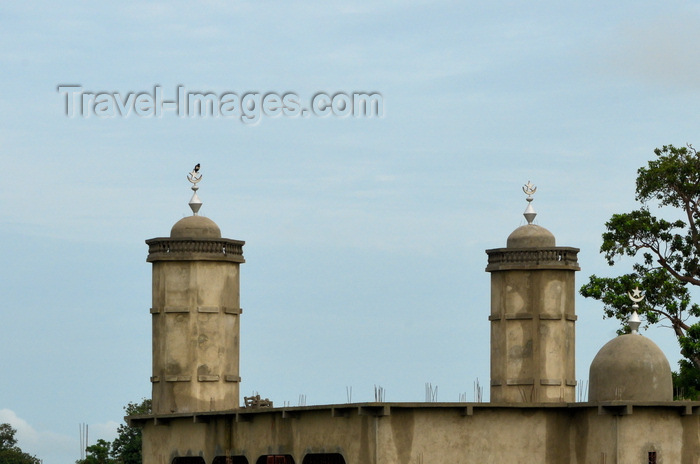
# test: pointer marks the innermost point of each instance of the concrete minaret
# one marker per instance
(532, 316)
(196, 310)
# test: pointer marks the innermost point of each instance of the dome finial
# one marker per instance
(529, 213)
(634, 321)
(195, 176)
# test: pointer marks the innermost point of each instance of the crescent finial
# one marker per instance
(529, 189)
(195, 176)
(636, 296)
(529, 213)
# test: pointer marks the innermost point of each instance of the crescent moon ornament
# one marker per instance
(195, 176)
(636, 295)
(529, 189)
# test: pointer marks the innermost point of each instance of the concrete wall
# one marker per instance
(261, 434)
(438, 433)
(628, 438)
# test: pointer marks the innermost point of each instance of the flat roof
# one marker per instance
(384, 409)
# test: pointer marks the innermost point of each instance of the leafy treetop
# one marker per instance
(10, 453)
(126, 448)
(667, 249)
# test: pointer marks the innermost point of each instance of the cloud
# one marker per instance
(42, 444)
(52, 447)
(662, 51)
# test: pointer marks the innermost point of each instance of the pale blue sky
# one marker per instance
(365, 237)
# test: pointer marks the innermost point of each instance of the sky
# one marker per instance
(365, 236)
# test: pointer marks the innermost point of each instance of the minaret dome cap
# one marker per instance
(531, 236)
(195, 227)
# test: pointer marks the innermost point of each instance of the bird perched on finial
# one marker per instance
(195, 175)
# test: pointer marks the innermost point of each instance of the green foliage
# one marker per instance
(97, 454)
(667, 249)
(686, 382)
(126, 448)
(10, 453)
(7, 437)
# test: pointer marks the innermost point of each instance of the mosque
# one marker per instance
(532, 416)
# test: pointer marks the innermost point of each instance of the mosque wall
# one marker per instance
(439, 433)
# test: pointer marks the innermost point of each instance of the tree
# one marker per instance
(97, 454)
(10, 453)
(686, 381)
(7, 436)
(126, 448)
(667, 250)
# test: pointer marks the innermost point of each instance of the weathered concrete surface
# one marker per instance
(196, 311)
(632, 368)
(532, 330)
(531, 236)
(195, 227)
(401, 433)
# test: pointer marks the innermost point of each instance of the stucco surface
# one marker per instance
(195, 227)
(462, 433)
(530, 236)
(196, 320)
(630, 367)
(533, 336)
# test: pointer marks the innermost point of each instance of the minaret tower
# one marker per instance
(196, 311)
(532, 316)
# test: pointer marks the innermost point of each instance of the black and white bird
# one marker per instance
(196, 168)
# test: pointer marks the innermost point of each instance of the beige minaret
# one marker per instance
(532, 316)
(196, 311)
